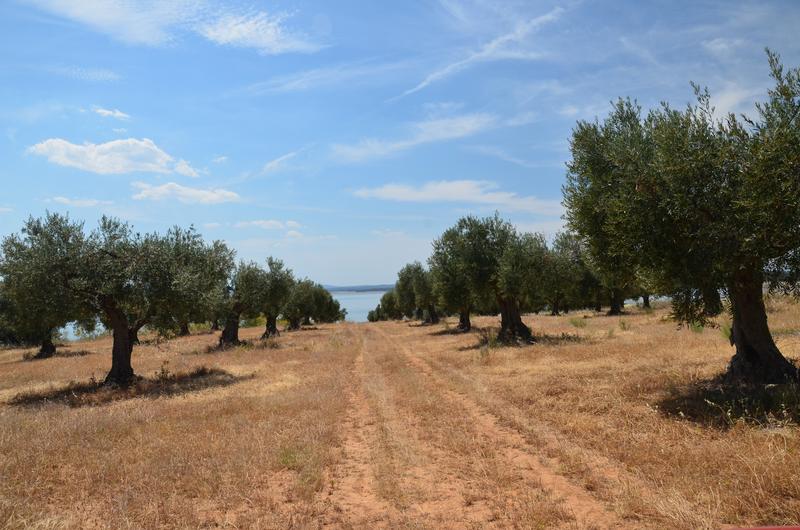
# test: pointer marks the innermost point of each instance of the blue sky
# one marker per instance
(342, 137)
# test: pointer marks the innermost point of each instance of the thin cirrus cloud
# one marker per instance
(428, 131)
(79, 73)
(183, 194)
(111, 113)
(279, 163)
(155, 23)
(114, 157)
(463, 191)
(325, 77)
(508, 46)
(79, 203)
(267, 224)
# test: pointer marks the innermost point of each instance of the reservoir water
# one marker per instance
(358, 303)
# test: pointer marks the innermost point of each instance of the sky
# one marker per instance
(342, 137)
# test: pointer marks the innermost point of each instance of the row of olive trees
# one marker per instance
(700, 205)
(54, 273)
(485, 265)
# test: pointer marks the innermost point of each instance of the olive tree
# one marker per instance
(279, 283)
(244, 296)
(39, 302)
(708, 203)
(448, 273)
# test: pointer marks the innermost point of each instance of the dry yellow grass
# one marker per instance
(398, 425)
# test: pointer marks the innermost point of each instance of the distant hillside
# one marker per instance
(360, 288)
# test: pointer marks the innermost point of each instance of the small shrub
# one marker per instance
(610, 334)
(624, 326)
(697, 327)
(578, 322)
(726, 330)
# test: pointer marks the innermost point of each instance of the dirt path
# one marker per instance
(416, 453)
(588, 511)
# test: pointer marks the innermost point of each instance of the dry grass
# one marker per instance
(605, 422)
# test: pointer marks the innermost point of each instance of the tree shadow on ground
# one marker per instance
(713, 403)
(488, 338)
(60, 352)
(450, 331)
(94, 393)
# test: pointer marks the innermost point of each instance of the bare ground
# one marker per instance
(396, 425)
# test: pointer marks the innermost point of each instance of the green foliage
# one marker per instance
(448, 265)
(309, 301)
(578, 322)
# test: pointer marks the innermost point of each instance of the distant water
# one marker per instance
(358, 304)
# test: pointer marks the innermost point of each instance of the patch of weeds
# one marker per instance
(293, 458)
(94, 392)
(697, 327)
(558, 339)
(31, 355)
(623, 325)
(482, 355)
(271, 343)
(726, 330)
(610, 334)
(719, 405)
(578, 322)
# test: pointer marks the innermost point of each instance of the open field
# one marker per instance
(392, 424)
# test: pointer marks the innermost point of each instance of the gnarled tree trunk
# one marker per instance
(464, 323)
(271, 329)
(616, 302)
(432, 315)
(757, 358)
(121, 372)
(512, 328)
(646, 301)
(230, 333)
(712, 303)
(184, 331)
(215, 325)
(293, 324)
(47, 349)
(554, 308)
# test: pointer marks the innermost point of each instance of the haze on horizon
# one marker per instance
(341, 139)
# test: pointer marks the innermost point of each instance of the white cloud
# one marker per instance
(6, 209)
(723, 48)
(114, 157)
(501, 154)
(465, 191)
(511, 45)
(79, 203)
(111, 113)
(325, 77)
(212, 226)
(735, 98)
(219, 159)
(182, 167)
(96, 75)
(569, 111)
(120, 130)
(261, 31)
(156, 22)
(266, 224)
(278, 163)
(184, 194)
(292, 224)
(428, 131)
(294, 234)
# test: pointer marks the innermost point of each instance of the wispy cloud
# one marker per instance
(266, 224)
(183, 194)
(96, 75)
(6, 209)
(79, 203)
(156, 23)
(330, 76)
(111, 113)
(219, 159)
(114, 157)
(261, 31)
(278, 163)
(501, 154)
(462, 191)
(429, 131)
(511, 45)
(722, 47)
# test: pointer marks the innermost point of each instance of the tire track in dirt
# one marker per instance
(351, 496)
(587, 510)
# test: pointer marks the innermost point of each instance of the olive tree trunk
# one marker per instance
(757, 358)
(555, 309)
(646, 301)
(432, 315)
(616, 302)
(712, 303)
(121, 372)
(230, 333)
(271, 329)
(215, 325)
(464, 323)
(512, 329)
(47, 349)
(184, 331)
